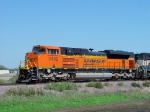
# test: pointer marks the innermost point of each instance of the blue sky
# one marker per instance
(100, 24)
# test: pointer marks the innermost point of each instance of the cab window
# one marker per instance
(38, 50)
(53, 51)
(41, 50)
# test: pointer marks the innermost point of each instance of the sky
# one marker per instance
(98, 24)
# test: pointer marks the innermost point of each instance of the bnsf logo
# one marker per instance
(32, 59)
(53, 58)
(94, 61)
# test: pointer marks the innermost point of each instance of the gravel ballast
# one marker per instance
(82, 87)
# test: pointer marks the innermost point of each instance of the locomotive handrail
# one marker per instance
(35, 64)
(30, 63)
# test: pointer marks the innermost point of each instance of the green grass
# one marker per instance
(134, 84)
(13, 79)
(107, 84)
(2, 81)
(7, 75)
(95, 84)
(51, 102)
(23, 91)
(98, 85)
(90, 84)
(120, 84)
(146, 84)
(61, 86)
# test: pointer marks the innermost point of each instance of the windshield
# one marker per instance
(38, 50)
(146, 67)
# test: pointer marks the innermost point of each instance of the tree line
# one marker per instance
(5, 68)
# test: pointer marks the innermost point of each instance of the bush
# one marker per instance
(79, 86)
(134, 84)
(98, 85)
(39, 92)
(146, 84)
(24, 91)
(107, 84)
(91, 84)
(95, 84)
(2, 81)
(61, 86)
(120, 84)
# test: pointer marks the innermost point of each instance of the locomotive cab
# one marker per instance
(143, 62)
(38, 62)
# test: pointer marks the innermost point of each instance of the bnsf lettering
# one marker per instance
(53, 58)
(94, 61)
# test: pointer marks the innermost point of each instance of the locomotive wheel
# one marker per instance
(65, 78)
(68, 76)
(53, 78)
(114, 78)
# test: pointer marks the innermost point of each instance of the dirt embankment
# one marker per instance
(140, 106)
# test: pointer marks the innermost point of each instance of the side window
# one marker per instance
(42, 50)
(53, 51)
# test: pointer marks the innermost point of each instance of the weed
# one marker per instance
(98, 85)
(11, 91)
(14, 79)
(134, 84)
(79, 86)
(146, 84)
(20, 91)
(90, 84)
(107, 84)
(61, 86)
(95, 84)
(141, 87)
(120, 84)
(85, 91)
(39, 91)
(2, 81)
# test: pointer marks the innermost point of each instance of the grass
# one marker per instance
(61, 86)
(23, 91)
(120, 84)
(146, 84)
(52, 102)
(14, 79)
(95, 84)
(2, 81)
(90, 84)
(134, 84)
(98, 85)
(107, 84)
(7, 75)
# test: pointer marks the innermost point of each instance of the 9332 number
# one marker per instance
(53, 58)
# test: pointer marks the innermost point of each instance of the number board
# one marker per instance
(53, 58)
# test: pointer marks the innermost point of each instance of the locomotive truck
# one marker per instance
(54, 63)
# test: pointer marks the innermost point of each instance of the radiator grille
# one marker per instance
(68, 59)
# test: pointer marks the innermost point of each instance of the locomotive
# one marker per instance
(54, 63)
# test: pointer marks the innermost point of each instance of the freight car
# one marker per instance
(53, 63)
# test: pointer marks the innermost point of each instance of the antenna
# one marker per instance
(91, 49)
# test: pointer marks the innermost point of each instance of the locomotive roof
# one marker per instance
(143, 56)
(109, 53)
(84, 51)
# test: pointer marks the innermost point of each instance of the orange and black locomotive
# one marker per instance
(46, 63)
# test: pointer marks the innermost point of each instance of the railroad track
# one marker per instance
(82, 81)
